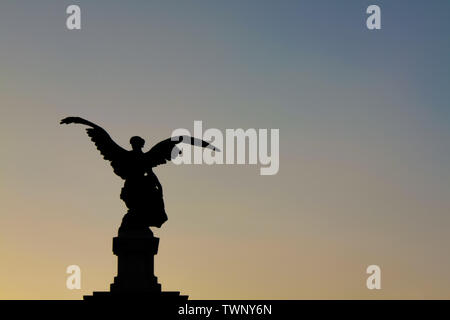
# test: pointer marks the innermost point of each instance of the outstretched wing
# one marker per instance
(167, 150)
(110, 150)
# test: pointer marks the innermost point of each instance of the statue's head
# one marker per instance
(137, 143)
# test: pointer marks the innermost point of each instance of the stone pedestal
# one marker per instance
(135, 250)
(135, 272)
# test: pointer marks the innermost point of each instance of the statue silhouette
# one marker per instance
(142, 191)
(135, 246)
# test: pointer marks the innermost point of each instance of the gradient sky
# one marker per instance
(364, 125)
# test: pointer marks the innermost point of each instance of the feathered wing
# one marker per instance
(167, 150)
(110, 150)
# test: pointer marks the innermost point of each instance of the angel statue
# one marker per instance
(142, 191)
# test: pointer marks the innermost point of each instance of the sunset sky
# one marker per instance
(364, 120)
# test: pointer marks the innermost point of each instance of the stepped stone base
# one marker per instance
(135, 278)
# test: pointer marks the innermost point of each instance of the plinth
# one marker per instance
(135, 265)
(135, 249)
